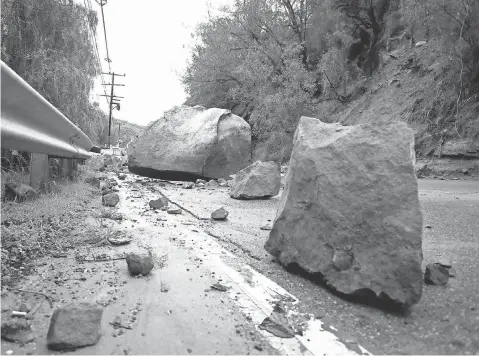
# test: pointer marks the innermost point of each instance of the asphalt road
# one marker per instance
(175, 310)
(445, 321)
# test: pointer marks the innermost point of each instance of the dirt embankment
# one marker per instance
(413, 85)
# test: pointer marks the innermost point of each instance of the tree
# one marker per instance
(48, 44)
(368, 17)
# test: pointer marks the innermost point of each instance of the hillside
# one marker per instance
(349, 61)
(413, 87)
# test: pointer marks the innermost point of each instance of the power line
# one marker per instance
(96, 50)
(103, 3)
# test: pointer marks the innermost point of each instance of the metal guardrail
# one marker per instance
(30, 123)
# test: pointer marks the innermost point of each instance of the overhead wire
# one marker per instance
(96, 50)
(104, 31)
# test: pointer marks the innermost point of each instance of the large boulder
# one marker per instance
(74, 326)
(350, 211)
(192, 142)
(257, 181)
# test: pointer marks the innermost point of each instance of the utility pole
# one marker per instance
(113, 97)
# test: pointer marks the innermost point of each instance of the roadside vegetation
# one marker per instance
(272, 61)
(49, 225)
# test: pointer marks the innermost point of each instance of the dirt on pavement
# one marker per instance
(175, 309)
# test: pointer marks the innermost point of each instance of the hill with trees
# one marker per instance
(272, 61)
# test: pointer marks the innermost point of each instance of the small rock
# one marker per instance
(164, 287)
(452, 272)
(465, 171)
(74, 326)
(101, 169)
(220, 287)
(110, 199)
(258, 347)
(222, 182)
(266, 227)
(420, 43)
(116, 321)
(212, 183)
(25, 307)
(200, 181)
(320, 314)
(188, 185)
(9, 352)
(174, 211)
(20, 192)
(159, 203)
(428, 227)
(119, 240)
(139, 262)
(93, 181)
(444, 263)
(219, 214)
(436, 274)
(121, 176)
(17, 330)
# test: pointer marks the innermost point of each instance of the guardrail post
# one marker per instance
(66, 167)
(39, 171)
(74, 168)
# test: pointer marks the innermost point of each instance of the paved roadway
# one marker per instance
(175, 311)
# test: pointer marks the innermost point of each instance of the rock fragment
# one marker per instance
(110, 199)
(93, 181)
(435, 274)
(17, 330)
(219, 214)
(139, 262)
(260, 180)
(174, 211)
(20, 192)
(159, 203)
(74, 325)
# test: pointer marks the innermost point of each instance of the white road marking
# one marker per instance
(257, 298)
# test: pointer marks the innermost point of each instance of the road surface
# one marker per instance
(175, 310)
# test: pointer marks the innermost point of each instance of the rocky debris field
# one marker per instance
(338, 252)
(187, 291)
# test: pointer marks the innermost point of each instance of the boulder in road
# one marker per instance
(139, 262)
(260, 180)
(350, 211)
(74, 325)
(110, 199)
(190, 143)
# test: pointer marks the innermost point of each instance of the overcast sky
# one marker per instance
(149, 41)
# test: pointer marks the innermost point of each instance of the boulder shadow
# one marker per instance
(166, 175)
(363, 296)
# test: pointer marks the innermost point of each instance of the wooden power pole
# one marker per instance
(113, 100)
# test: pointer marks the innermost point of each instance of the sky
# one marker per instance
(149, 41)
